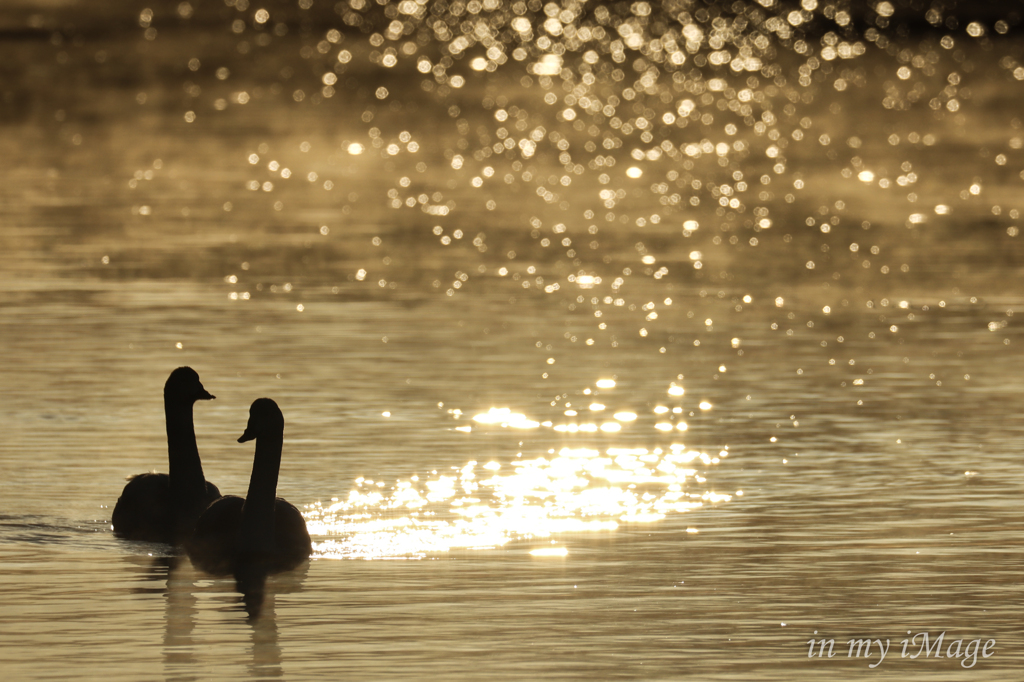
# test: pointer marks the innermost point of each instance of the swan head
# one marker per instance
(264, 418)
(184, 385)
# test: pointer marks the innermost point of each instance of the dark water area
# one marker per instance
(626, 341)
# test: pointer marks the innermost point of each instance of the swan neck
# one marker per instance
(257, 527)
(185, 468)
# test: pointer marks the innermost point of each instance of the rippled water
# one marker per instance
(646, 341)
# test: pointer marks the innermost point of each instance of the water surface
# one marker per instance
(618, 398)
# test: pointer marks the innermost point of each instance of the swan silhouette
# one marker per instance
(164, 507)
(261, 530)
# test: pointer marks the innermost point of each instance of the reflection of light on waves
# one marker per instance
(506, 417)
(576, 489)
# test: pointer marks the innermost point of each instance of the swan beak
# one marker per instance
(205, 395)
(247, 436)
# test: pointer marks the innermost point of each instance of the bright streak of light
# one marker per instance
(550, 551)
(505, 417)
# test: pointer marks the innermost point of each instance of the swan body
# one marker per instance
(261, 530)
(164, 507)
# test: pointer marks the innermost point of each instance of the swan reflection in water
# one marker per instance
(183, 589)
(631, 479)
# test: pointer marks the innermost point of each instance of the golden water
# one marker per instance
(809, 431)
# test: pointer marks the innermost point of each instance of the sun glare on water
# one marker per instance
(534, 496)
